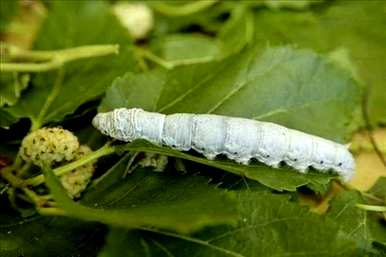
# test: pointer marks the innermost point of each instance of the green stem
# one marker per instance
(15, 181)
(376, 208)
(182, 10)
(128, 169)
(55, 59)
(30, 67)
(372, 197)
(22, 171)
(105, 150)
(34, 197)
(51, 211)
(154, 58)
(141, 61)
(170, 64)
(37, 123)
(191, 61)
(46, 197)
(84, 52)
(14, 52)
(69, 53)
(17, 163)
(25, 198)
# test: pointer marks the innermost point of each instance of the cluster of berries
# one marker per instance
(56, 146)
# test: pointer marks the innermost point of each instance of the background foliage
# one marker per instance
(307, 65)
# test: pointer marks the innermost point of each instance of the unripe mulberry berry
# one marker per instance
(136, 18)
(47, 146)
(76, 180)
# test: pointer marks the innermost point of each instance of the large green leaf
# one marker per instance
(377, 224)
(351, 219)
(355, 25)
(271, 225)
(278, 179)
(117, 243)
(8, 9)
(207, 19)
(171, 201)
(74, 23)
(11, 87)
(234, 35)
(367, 228)
(295, 88)
(379, 188)
(238, 31)
(69, 24)
(38, 236)
(6, 119)
(185, 48)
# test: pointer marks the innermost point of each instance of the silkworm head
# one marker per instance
(118, 124)
(102, 123)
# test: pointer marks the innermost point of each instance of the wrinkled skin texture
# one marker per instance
(239, 139)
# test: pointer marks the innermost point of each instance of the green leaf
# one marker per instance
(208, 20)
(117, 243)
(379, 188)
(94, 22)
(234, 35)
(69, 24)
(11, 87)
(351, 219)
(377, 228)
(291, 87)
(320, 188)
(8, 9)
(377, 224)
(360, 225)
(185, 48)
(177, 202)
(295, 88)
(355, 25)
(278, 179)
(38, 236)
(238, 31)
(271, 225)
(6, 119)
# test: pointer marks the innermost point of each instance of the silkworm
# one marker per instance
(239, 139)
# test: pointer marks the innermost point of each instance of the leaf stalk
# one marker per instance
(182, 10)
(105, 150)
(50, 60)
(376, 208)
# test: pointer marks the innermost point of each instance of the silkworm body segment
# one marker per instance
(239, 139)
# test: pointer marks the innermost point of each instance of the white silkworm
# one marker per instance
(238, 138)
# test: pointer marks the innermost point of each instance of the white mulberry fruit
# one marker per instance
(136, 18)
(47, 146)
(76, 180)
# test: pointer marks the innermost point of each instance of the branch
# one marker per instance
(105, 150)
(53, 59)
